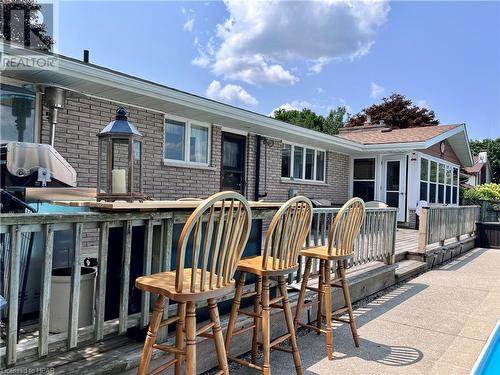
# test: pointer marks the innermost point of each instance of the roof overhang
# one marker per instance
(456, 137)
(96, 81)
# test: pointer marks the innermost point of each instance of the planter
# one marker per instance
(60, 298)
(489, 234)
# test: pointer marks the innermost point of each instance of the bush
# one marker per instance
(486, 192)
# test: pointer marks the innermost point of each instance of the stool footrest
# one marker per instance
(276, 306)
(249, 313)
(313, 289)
(279, 340)
(169, 321)
(204, 329)
(243, 330)
(163, 367)
(311, 327)
(283, 349)
(275, 300)
(248, 294)
(244, 363)
(341, 310)
(341, 320)
(168, 348)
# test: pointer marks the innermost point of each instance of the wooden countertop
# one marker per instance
(153, 205)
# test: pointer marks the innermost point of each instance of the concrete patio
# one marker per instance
(436, 323)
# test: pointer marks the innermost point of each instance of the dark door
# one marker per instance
(233, 162)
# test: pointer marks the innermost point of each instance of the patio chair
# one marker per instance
(345, 229)
(284, 239)
(218, 231)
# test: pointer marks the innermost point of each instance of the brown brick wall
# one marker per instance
(337, 177)
(83, 118)
(76, 141)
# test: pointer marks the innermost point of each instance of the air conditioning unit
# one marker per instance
(482, 157)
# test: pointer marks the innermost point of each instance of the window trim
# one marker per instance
(187, 144)
(305, 148)
(437, 183)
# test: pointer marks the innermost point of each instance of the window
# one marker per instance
(17, 114)
(364, 179)
(186, 142)
(302, 163)
(438, 182)
(286, 162)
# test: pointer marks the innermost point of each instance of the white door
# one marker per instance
(394, 184)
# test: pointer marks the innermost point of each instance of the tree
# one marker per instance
(32, 33)
(492, 148)
(310, 120)
(396, 111)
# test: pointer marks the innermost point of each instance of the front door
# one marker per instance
(394, 185)
(233, 162)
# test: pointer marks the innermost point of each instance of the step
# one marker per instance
(409, 268)
(399, 256)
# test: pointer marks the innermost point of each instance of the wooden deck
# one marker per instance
(406, 240)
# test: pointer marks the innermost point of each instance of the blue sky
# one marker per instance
(444, 55)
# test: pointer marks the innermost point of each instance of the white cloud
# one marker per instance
(189, 24)
(422, 103)
(343, 103)
(376, 91)
(320, 90)
(260, 41)
(230, 94)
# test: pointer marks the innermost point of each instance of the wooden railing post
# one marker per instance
(422, 230)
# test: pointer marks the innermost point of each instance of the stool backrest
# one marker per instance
(287, 233)
(346, 227)
(218, 231)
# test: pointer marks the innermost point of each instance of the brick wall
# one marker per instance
(76, 141)
(337, 177)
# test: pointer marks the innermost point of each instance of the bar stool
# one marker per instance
(218, 231)
(344, 231)
(284, 239)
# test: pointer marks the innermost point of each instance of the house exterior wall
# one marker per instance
(83, 118)
(449, 154)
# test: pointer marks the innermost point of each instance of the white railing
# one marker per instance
(441, 223)
(376, 241)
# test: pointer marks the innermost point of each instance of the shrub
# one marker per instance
(487, 192)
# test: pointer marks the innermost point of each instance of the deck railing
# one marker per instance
(441, 223)
(376, 242)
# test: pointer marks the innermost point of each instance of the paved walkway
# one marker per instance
(435, 324)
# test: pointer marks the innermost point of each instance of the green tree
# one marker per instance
(492, 148)
(310, 120)
(32, 33)
(396, 111)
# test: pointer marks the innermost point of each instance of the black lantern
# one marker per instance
(119, 171)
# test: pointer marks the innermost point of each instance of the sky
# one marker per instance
(265, 55)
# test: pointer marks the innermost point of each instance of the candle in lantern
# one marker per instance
(118, 182)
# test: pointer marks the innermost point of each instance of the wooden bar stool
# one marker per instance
(344, 231)
(218, 231)
(284, 239)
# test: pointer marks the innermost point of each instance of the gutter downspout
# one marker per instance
(257, 194)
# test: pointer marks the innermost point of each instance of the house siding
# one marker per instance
(449, 155)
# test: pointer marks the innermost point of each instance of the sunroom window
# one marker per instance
(302, 163)
(186, 142)
(438, 182)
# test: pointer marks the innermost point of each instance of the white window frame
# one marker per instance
(377, 161)
(305, 148)
(445, 184)
(187, 144)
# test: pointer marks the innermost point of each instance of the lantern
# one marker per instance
(119, 170)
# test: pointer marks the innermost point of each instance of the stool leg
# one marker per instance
(321, 289)
(302, 294)
(179, 335)
(289, 322)
(154, 324)
(347, 299)
(218, 337)
(191, 339)
(266, 326)
(256, 320)
(234, 310)
(328, 311)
